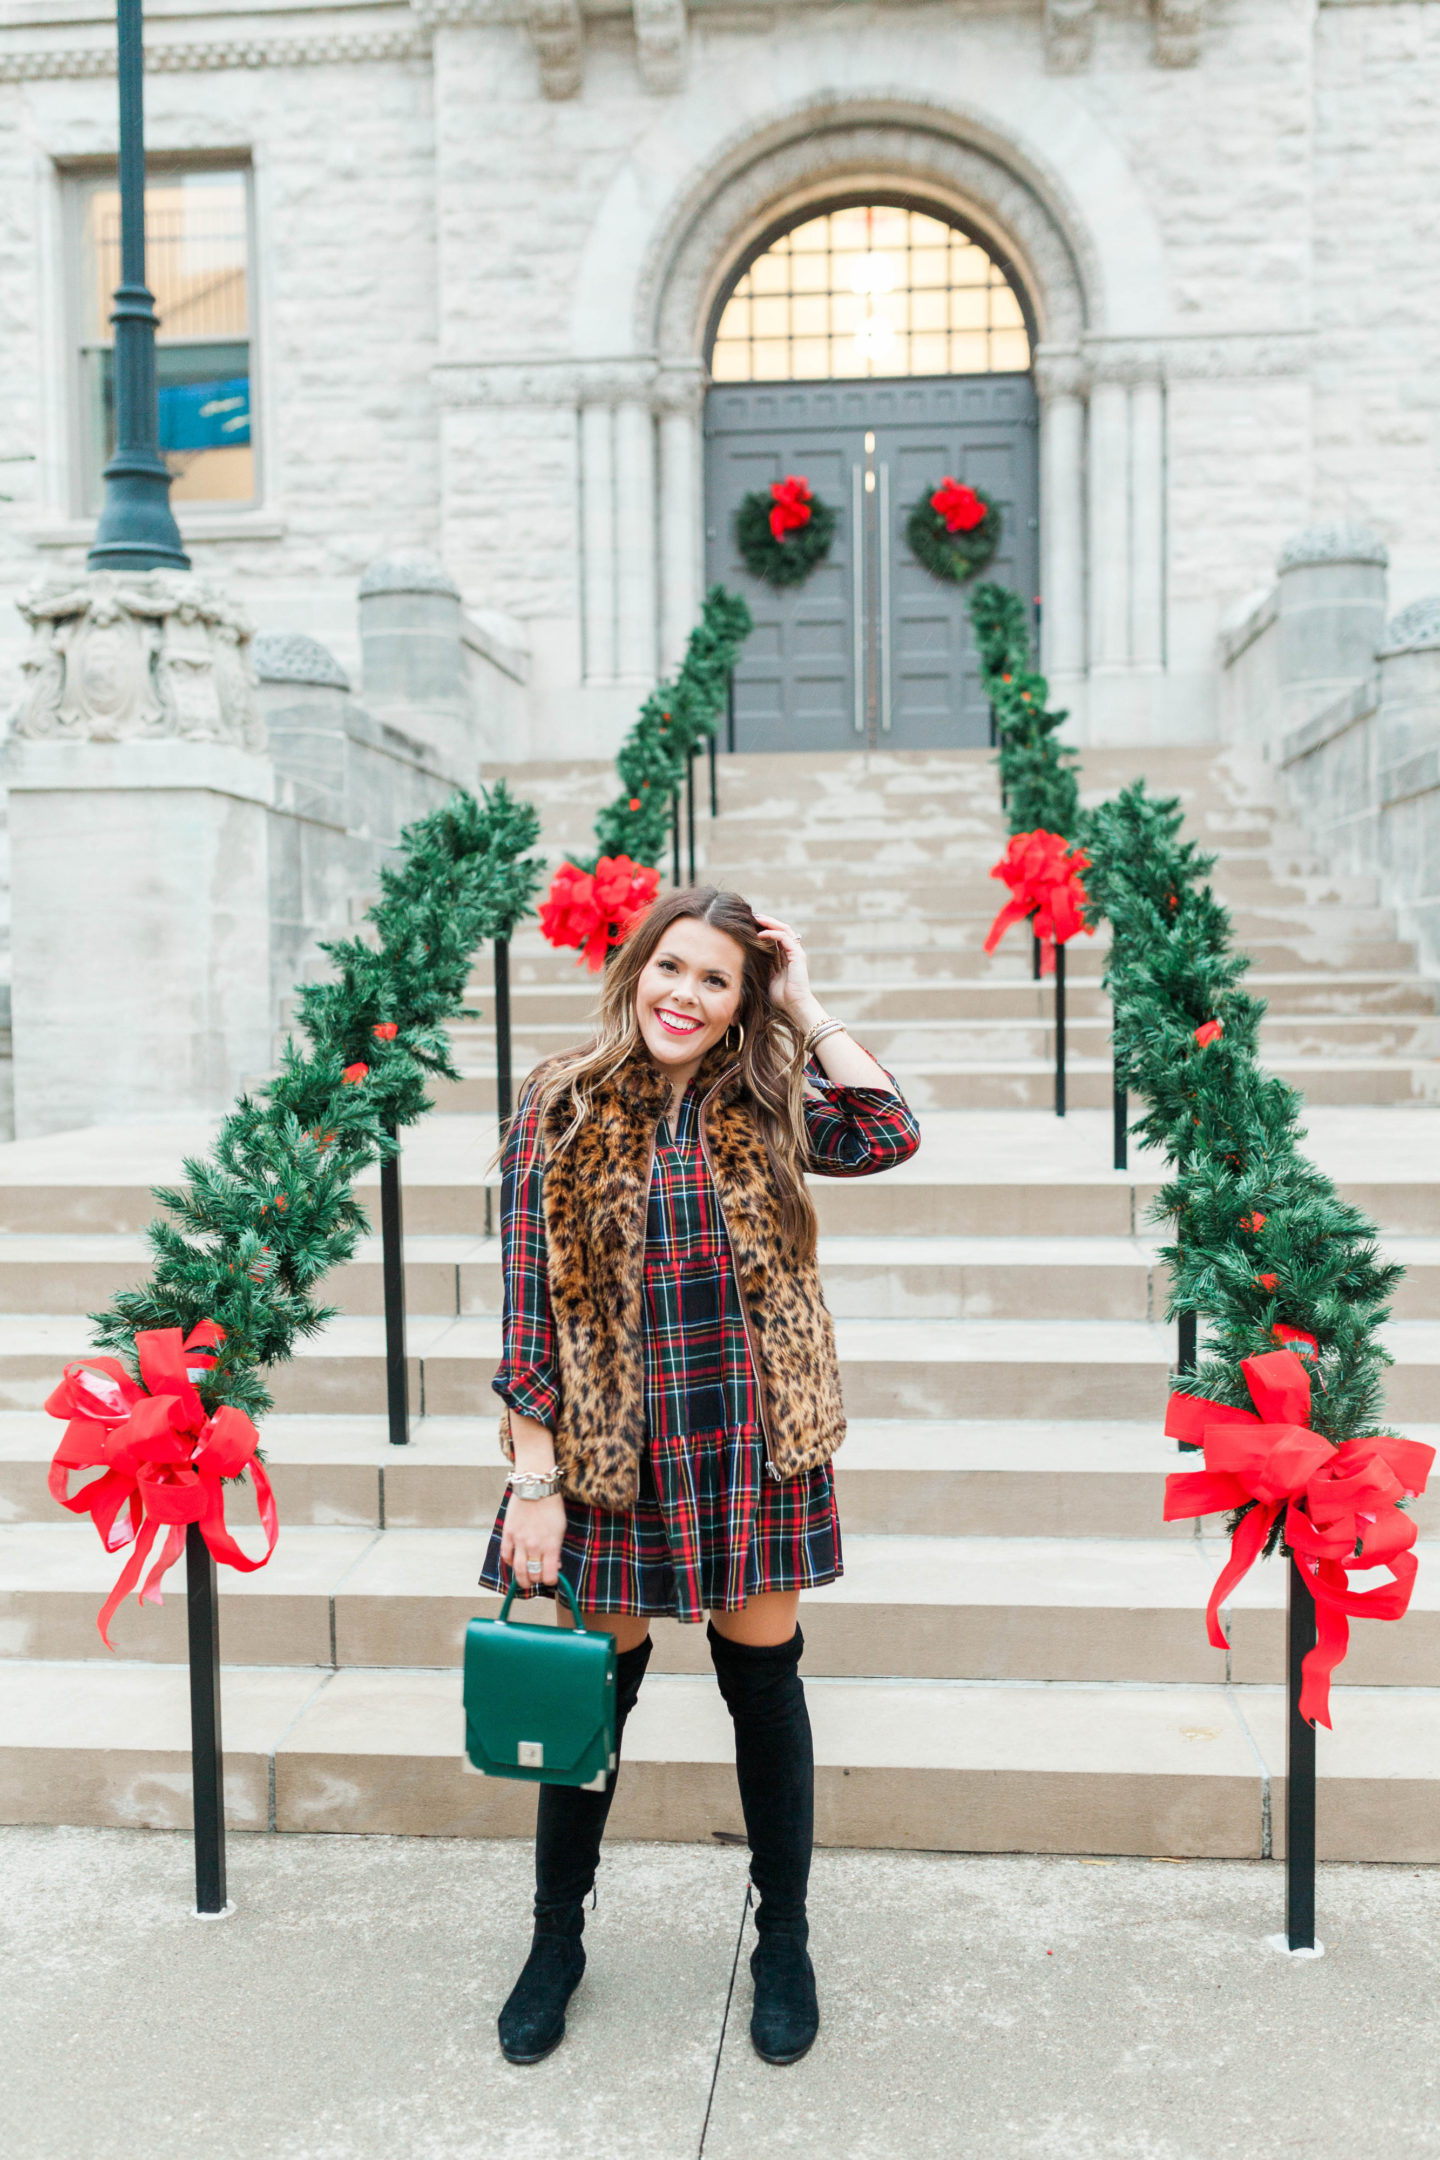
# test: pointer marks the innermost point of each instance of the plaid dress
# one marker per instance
(710, 1528)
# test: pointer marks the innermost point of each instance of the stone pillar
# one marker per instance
(1108, 488)
(1147, 523)
(412, 653)
(1409, 658)
(1060, 383)
(597, 501)
(139, 807)
(1331, 615)
(681, 519)
(635, 541)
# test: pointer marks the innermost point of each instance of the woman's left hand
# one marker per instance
(790, 984)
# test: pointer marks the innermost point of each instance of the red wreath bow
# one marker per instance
(959, 505)
(596, 911)
(1043, 873)
(163, 1458)
(1339, 1502)
(792, 505)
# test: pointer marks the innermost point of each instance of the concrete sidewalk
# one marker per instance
(990, 2006)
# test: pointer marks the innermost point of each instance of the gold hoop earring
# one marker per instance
(741, 1044)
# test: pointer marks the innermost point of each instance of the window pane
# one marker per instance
(877, 290)
(197, 265)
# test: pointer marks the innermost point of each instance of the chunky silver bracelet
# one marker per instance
(535, 1484)
(821, 1029)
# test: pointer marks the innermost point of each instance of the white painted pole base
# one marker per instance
(224, 1913)
(1281, 1944)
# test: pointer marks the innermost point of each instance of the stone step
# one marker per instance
(1353, 995)
(1028, 1084)
(1178, 1772)
(914, 1607)
(932, 1368)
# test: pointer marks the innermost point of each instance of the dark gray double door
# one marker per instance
(871, 649)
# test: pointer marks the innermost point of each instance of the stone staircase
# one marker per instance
(1016, 1656)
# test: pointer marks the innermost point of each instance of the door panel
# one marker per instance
(871, 648)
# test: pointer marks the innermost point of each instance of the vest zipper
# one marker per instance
(755, 1367)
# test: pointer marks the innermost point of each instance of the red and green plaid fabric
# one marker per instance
(710, 1529)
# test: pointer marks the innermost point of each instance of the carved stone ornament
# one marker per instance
(661, 38)
(558, 36)
(1177, 32)
(117, 656)
(1415, 629)
(1341, 542)
(1069, 35)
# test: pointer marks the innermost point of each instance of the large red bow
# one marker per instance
(1339, 1502)
(162, 1456)
(792, 505)
(597, 910)
(1043, 873)
(958, 505)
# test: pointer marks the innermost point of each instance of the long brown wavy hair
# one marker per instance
(771, 1059)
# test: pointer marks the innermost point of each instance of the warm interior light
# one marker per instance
(874, 274)
(875, 337)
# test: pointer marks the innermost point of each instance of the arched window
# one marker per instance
(870, 289)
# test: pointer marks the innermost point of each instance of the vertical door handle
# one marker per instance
(882, 634)
(857, 547)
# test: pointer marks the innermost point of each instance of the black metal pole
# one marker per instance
(730, 711)
(714, 793)
(504, 1087)
(392, 1247)
(207, 1762)
(1299, 1770)
(1187, 1358)
(1121, 1112)
(1034, 957)
(690, 810)
(675, 836)
(137, 529)
(1059, 1030)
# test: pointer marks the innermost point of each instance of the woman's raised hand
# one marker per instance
(790, 984)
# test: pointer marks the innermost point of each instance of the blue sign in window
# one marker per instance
(205, 415)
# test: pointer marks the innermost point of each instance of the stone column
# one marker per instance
(681, 517)
(1409, 660)
(597, 502)
(413, 657)
(1332, 615)
(1147, 523)
(1060, 382)
(139, 809)
(635, 541)
(1108, 491)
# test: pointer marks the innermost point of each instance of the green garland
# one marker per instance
(271, 1209)
(953, 557)
(1260, 1239)
(1037, 775)
(652, 759)
(786, 562)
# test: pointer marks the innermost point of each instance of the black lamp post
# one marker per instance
(137, 529)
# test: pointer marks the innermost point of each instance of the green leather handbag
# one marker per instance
(540, 1700)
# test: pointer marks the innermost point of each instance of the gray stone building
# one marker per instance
(537, 286)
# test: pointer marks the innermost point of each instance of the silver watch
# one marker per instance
(534, 1485)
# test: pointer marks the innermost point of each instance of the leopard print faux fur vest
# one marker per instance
(596, 1194)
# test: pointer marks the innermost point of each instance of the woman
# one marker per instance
(671, 1388)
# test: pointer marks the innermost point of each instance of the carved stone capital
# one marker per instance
(661, 39)
(558, 36)
(125, 657)
(1069, 35)
(1177, 32)
(1059, 373)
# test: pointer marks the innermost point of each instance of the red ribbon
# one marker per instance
(1043, 873)
(600, 909)
(958, 504)
(792, 505)
(163, 1458)
(1340, 1505)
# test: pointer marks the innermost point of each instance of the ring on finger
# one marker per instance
(532, 1567)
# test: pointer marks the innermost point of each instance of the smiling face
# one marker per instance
(688, 993)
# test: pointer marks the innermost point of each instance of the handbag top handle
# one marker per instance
(580, 1627)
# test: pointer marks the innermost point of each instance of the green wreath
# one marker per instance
(952, 556)
(789, 556)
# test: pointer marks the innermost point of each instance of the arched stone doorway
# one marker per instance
(876, 344)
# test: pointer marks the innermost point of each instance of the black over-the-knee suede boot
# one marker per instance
(775, 1765)
(569, 1824)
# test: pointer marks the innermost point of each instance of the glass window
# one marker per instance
(870, 290)
(197, 259)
